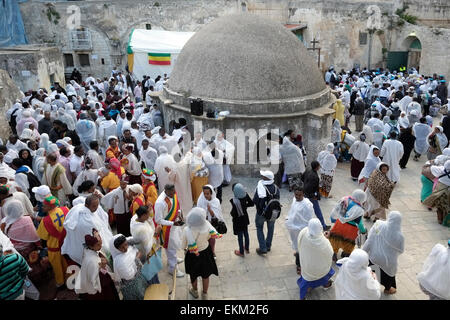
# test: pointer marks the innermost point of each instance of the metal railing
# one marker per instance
(80, 40)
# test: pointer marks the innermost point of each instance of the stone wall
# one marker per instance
(9, 92)
(335, 23)
(33, 67)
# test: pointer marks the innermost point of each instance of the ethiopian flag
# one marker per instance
(161, 59)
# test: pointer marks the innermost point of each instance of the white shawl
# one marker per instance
(124, 263)
(214, 203)
(300, 213)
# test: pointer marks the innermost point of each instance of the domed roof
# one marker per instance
(245, 57)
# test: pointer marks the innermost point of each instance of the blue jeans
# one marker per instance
(241, 235)
(264, 243)
(317, 211)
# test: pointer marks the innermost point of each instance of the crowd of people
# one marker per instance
(90, 181)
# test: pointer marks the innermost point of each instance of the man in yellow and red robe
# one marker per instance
(168, 215)
(113, 149)
(52, 231)
(148, 184)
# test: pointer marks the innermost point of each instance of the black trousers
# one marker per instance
(219, 193)
(386, 280)
(404, 160)
(297, 259)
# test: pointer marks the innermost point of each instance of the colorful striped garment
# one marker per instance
(13, 270)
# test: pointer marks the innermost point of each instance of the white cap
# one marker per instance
(41, 192)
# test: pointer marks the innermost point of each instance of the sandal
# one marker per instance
(392, 290)
(299, 271)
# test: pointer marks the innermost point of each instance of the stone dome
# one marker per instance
(245, 57)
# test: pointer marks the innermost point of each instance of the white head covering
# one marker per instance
(26, 134)
(261, 183)
(267, 173)
(136, 188)
(41, 192)
(162, 150)
(214, 203)
(13, 212)
(354, 280)
(124, 263)
(330, 147)
(446, 152)
(435, 274)
(386, 242)
(196, 220)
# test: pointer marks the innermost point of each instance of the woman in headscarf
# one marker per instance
(199, 142)
(336, 132)
(45, 141)
(347, 219)
(355, 279)
(294, 166)
(316, 258)
(26, 157)
(199, 260)
(34, 132)
(408, 140)
(340, 109)
(384, 244)
(199, 173)
(26, 135)
(38, 163)
(165, 167)
(239, 204)
(403, 121)
(368, 133)
(370, 165)
(379, 190)
(127, 267)
(328, 163)
(95, 280)
(86, 130)
(428, 179)
(438, 141)
(209, 202)
(359, 151)
(145, 236)
(434, 279)
(439, 199)
(32, 147)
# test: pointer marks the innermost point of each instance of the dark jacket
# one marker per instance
(407, 140)
(446, 126)
(311, 184)
(359, 108)
(241, 223)
(442, 93)
(262, 202)
(45, 126)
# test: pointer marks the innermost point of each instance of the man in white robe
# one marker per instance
(55, 177)
(80, 220)
(405, 101)
(213, 159)
(165, 168)
(228, 150)
(392, 151)
(174, 239)
(148, 155)
(107, 128)
(298, 218)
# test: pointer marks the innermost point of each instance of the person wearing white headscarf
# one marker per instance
(347, 218)
(434, 279)
(378, 135)
(294, 166)
(127, 267)
(384, 244)
(336, 133)
(391, 152)
(403, 120)
(355, 279)
(209, 202)
(300, 213)
(19, 228)
(80, 220)
(316, 255)
(437, 141)
(421, 131)
(199, 142)
(359, 151)
(440, 196)
(369, 134)
(199, 260)
(38, 163)
(165, 168)
(328, 163)
(86, 130)
(26, 117)
(228, 150)
(14, 144)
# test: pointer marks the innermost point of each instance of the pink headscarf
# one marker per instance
(22, 233)
(115, 167)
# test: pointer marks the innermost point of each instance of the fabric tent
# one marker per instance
(154, 52)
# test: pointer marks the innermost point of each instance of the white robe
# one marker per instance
(79, 222)
(62, 181)
(392, 151)
(163, 161)
(359, 150)
(298, 217)
(183, 184)
(435, 274)
(85, 175)
(142, 233)
(148, 157)
(421, 132)
(215, 167)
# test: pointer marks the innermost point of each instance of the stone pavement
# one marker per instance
(274, 276)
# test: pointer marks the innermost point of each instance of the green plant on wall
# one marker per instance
(405, 17)
(52, 14)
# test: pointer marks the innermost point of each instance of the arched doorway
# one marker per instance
(414, 54)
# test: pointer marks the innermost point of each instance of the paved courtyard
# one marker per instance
(274, 276)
